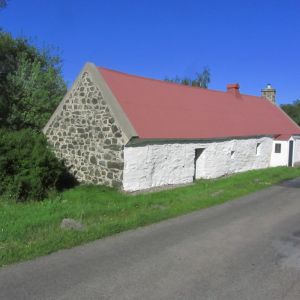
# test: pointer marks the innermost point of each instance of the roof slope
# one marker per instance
(162, 110)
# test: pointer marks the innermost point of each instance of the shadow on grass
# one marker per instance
(293, 183)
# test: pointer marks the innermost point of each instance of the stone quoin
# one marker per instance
(137, 133)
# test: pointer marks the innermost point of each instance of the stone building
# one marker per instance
(137, 133)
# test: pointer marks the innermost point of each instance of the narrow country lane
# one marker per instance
(245, 249)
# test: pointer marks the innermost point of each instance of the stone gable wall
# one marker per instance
(87, 137)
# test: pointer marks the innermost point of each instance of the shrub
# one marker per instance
(28, 169)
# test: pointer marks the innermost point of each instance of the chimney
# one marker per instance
(233, 88)
(269, 93)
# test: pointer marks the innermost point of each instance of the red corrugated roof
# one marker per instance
(283, 137)
(162, 110)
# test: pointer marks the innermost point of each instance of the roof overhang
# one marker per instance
(135, 142)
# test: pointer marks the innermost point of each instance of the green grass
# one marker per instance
(28, 230)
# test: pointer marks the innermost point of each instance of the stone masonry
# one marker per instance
(85, 134)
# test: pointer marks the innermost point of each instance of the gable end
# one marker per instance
(86, 134)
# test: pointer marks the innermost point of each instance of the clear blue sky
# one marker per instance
(251, 42)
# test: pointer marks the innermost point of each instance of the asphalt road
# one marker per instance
(245, 249)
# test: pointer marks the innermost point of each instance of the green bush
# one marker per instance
(28, 169)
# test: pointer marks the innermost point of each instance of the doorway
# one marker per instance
(198, 153)
(291, 150)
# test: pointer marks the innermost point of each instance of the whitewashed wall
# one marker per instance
(280, 159)
(162, 164)
(297, 151)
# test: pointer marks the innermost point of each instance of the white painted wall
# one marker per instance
(297, 151)
(280, 159)
(162, 164)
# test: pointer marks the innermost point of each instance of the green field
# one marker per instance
(28, 230)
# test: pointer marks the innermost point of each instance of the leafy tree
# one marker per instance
(31, 86)
(31, 83)
(201, 79)
(3, 3)
(293, 110)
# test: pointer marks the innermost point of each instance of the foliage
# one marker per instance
(3, 3)
(293, 110)
(201, 79)
(31, 87)
(32, 229)
(31, 83)
(28, 169)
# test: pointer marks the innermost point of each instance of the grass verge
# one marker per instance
(28, 230)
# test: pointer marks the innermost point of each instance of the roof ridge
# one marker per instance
(172, 83)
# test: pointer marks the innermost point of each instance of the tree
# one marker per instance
(3, 3)
(293, 110)
(31, 83)
(31, 86)
(201, 79)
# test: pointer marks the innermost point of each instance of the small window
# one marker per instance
(258, 148)
(232, 154)
(277, 148)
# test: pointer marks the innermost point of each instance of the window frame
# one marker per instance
(276, 150)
